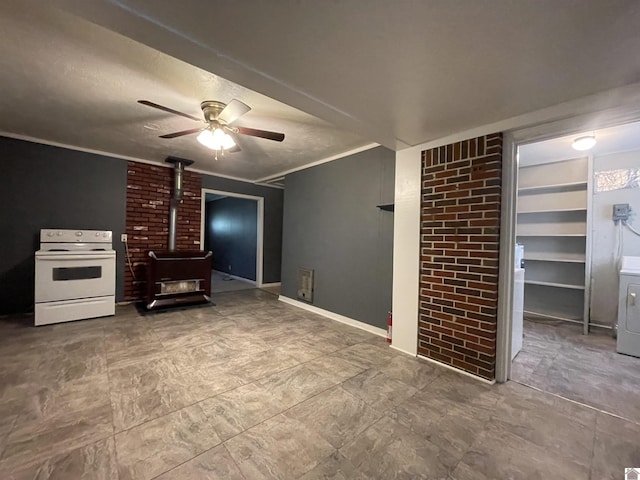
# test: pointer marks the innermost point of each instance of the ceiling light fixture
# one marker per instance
(216, 139)
(586, 142)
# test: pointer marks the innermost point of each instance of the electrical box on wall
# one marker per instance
(621, 211)
(305, 284)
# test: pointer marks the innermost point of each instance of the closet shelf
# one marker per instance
(551, 317)
(553, 284)
(576, 209)
(547, 259)
(553, 187)
(551, 235)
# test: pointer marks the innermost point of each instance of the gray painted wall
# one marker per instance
(50, 187)
(231, 234)
(273, 204)
(332, 225)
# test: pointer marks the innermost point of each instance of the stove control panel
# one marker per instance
(48, 235)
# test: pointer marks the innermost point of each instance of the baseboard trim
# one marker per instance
(235, 277)
(275, 284)
(335, 316)
(457, 370)
(406, 352)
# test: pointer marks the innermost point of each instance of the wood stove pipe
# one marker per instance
(176, 198)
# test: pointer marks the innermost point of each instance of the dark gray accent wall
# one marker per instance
(273, 205)
(231, 233)
(332, 225)
(51, 187)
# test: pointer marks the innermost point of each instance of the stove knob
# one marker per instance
(59, 234)
(78, 234)
(50, 234)
(97, 234)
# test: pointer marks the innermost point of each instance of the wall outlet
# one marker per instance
(123, 237)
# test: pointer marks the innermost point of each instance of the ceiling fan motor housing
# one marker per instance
(212, 109)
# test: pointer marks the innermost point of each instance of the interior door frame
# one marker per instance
(512, 140)
(259, 224)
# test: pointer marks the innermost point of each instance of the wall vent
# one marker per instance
(305, 284)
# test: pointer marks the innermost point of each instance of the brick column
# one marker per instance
(149, 189)
(460, 234)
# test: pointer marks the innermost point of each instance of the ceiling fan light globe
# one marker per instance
(223, 139)
(206, 138)
(216, 140)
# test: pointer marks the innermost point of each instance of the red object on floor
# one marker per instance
(389, 325)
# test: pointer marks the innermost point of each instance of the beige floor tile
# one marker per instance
(57, 434)
(336, 415)
(237, 410)
(96, 461)
(294, 385)
(214, 464)
(155, 447)
(390, 451)
(296, 395)
(279, 448)
(378, 389)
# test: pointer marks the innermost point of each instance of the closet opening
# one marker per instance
(575, 327)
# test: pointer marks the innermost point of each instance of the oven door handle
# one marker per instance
(92, 256)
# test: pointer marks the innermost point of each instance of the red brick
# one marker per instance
(148, 198)
(459, 244)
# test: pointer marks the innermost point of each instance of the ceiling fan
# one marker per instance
(217, 133)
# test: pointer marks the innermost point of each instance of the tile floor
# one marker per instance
(556, 357)
(254, 388)
(221, 282)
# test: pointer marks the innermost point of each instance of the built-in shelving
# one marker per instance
(554, 284)
(552, 223)
(542, 259)
(553, 235)
(551, 317)
(553, 210)
(553, 186)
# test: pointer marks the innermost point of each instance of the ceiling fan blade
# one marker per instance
(233, 111)
(277, 137)
(168, 110)
(182, 133)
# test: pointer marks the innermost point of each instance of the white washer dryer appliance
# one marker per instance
(75, 276)
(629, 307)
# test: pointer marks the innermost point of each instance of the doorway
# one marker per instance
(570, 224)
(232, 228)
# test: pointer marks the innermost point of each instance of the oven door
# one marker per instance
(68, 276)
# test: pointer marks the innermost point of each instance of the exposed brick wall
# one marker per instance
(460, 232)
(149, 190)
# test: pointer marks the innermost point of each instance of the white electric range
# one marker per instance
(75, 275)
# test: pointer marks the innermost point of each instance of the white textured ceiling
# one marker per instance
(393, 72)
(67, 81)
